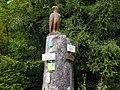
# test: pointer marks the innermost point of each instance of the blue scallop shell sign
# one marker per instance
(50, 44)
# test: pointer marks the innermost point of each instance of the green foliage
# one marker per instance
(12, 75)
(92, 25)
(92, 29)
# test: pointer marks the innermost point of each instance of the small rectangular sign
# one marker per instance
(50, 44)
(48, 56)
(51, 66)
(48, 77)
(70, 48)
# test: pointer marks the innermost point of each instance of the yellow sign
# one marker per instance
(51, 66)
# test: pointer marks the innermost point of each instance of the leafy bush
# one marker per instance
(12, 76)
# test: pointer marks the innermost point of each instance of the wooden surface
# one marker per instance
(62, 76)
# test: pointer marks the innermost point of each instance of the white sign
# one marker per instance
(48, 77)
(70, 48)
(48, 56)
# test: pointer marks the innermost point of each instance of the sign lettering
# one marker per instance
(70, 48)
(48, 56)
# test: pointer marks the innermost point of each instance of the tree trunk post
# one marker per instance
(62, 77)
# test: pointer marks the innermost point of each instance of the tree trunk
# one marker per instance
(62, 77)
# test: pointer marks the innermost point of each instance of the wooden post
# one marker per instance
(62, 77)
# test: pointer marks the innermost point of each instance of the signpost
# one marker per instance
(58, 58)
(58, 73)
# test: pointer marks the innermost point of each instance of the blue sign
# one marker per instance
(50, 44)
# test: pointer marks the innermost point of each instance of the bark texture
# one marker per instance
(62, 77)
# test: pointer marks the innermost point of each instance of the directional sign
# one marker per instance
(48, 56)
(70, 48)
